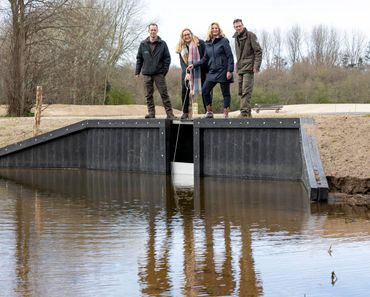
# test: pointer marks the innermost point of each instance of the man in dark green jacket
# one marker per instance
(153, 61)
(249, 59)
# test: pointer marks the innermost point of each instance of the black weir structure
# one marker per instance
(256, 148)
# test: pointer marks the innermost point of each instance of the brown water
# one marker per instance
(94, 233)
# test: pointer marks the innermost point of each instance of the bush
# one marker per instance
(320, 93)
(119, 97)
(262, 96)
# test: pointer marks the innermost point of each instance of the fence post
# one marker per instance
(36, 127)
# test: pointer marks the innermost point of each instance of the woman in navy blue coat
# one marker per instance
(219, 57)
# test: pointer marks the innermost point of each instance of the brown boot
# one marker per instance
(209, 113)
(244, 115)
(171, 116)
(226, 112)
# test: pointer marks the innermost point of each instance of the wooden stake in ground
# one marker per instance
(36, 127)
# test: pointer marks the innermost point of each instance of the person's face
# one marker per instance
(186, 35)
(153, 30)
(239, 27)
(215, 30)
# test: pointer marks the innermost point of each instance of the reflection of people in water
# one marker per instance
(218, 283)
(155, 274)
(201, 272)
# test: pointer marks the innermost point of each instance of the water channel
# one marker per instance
(97, 233)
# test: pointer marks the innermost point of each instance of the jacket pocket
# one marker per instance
(218, 61)
(245, 65)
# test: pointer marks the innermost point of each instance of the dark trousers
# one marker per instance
(225, 89)
(185, 92)
(161, 85)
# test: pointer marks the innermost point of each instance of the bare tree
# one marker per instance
(27, 20)
(124, 30)
(294, 44)
(278, 61)
(318, 39)
(332, 49)
(16, 80)
(325, 46)
(266, 44)
(367, 54)
(106, 36)
(3, 57)
(354, 48)
(69, 46)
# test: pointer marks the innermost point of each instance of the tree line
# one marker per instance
(83, 52)
(323, 65)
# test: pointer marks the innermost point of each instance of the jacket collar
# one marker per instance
(242, 35)
(213, 41)
(159, 40)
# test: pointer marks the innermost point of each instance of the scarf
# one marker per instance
(195, 82)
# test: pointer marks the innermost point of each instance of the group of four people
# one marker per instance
(203, 64)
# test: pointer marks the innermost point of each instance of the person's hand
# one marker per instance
(190, 67)
(229, 75)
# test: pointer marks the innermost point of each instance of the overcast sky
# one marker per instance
(173, 16)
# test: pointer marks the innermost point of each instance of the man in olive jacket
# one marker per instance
(249, 59)
(153, 61)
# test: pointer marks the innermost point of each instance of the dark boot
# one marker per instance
(185, 116)
(150, 116)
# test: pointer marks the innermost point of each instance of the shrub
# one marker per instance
(119, 97)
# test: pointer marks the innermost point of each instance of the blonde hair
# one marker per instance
(181, 44)
(209, 33)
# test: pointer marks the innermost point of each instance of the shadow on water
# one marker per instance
(187, 241)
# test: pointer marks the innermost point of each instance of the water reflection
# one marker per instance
(22, 250)
(96, 233)
(233, 207)
(70, 226)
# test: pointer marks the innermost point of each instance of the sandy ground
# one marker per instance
(344, 143)
(342, 131)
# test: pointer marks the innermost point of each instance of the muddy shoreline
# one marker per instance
(344, 145)
(349, 190)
